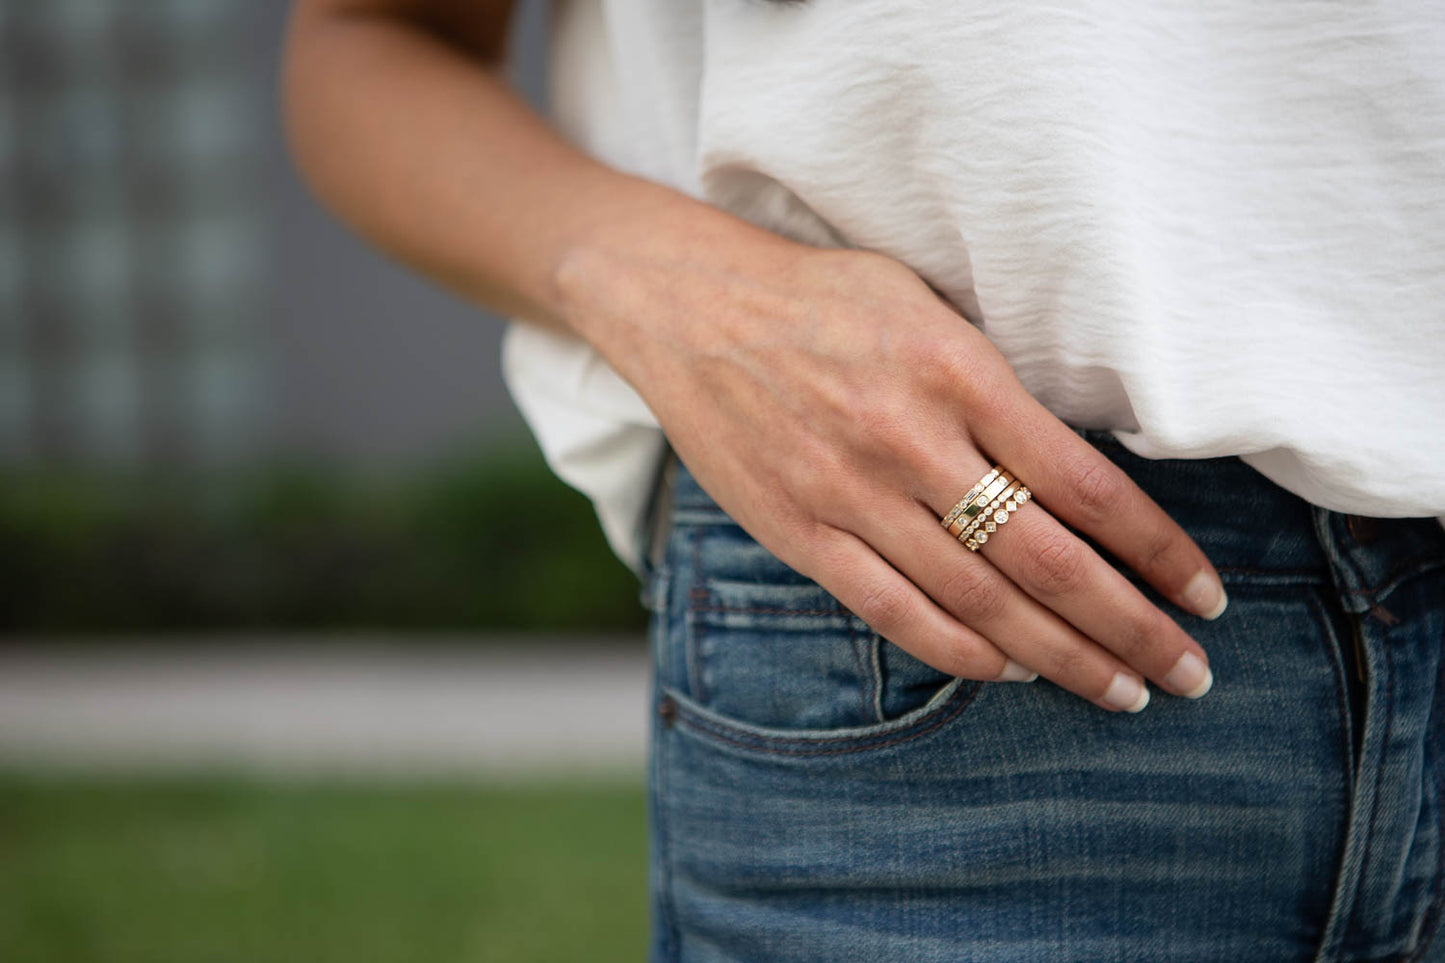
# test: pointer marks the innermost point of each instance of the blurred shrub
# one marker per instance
(493, 541)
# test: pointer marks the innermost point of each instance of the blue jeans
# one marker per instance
(818, 794)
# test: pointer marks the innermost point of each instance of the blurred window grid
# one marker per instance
(132, 271)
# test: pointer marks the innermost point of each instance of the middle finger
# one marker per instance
(968, 587)
(1064, 574)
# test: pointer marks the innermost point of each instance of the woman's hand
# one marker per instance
(828, 400)
(836, 407)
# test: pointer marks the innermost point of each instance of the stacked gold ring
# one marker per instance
(982, 508)
(986, 506)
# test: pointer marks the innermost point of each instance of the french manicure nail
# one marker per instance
(1013, 672)
(1190, 677)
(1205, 596)
(1127, 693)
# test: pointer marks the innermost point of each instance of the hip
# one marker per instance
(818, 793)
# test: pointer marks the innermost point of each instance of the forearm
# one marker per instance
(424, 149)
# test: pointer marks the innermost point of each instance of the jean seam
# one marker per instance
(1387, 711)
(809, 747)
(862, 640)
(875, 664)
(1431, 927)
(869, 682)
(689, 633)
(759, 609)
(665, 908)
(1397, 577)
(1338, 665)
(665, 898)
(1337, 659)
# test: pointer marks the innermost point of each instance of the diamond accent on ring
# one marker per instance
(1000, 516)
(990, 527)
(981, 537)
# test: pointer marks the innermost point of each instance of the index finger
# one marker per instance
(1079, 485)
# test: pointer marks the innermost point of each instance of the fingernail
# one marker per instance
(1127, 693)
(1190, 677)
(1205, 596)
(1013, 672)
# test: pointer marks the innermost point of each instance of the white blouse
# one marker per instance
(1216, 229)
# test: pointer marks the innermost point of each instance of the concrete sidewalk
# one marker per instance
(360, 706)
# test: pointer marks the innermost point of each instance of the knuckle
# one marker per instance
(1141, 633)
(956, 369)
(965, 658)
(884, 607)
(1065, 662)
(949, 364)
(1097, 490)
(973, 592)
(1159, 547)
(1054, 565)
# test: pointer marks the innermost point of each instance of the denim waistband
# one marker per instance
(1247, 525)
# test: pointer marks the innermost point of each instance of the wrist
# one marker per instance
(616, 277)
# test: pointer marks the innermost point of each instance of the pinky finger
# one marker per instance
(901, 612)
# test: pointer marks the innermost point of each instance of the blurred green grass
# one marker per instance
(213, 871)
(485, 540)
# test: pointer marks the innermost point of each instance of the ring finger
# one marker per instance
(979, 595)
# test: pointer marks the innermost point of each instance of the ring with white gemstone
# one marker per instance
(999, 517)
(986, 506)
(994, 514)
(983, 506)
(968, 499)
(977, 500)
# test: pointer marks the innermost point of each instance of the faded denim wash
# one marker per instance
(817, 794)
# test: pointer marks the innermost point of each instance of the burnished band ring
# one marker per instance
(986, 506)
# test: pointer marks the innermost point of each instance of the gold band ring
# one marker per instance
(986, 506)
